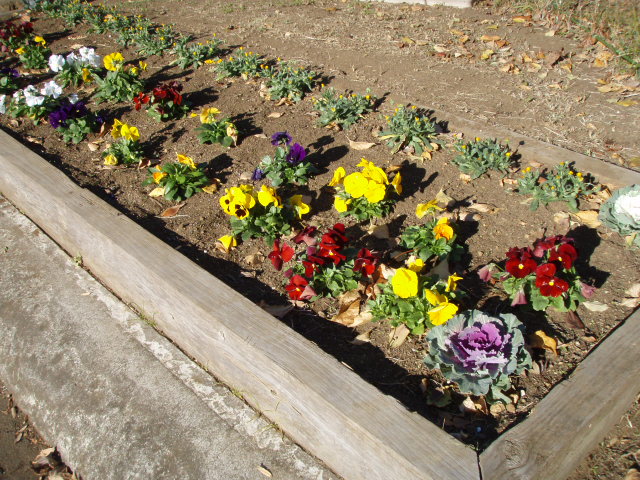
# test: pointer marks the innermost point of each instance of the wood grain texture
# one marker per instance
(356, 430)
(570, 421)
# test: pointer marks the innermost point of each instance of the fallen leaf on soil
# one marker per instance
(265, 471)
(469, 217)
(275, 115)
(157, 192)
(588, 218)
(574, 321)
(350, 313)
(278, 311)
(627, 103)
(444, 199)
(360, 145)
(362, 338)
(522, 18)
(508, 181)
(93, 146)
(393, 168)
(634, 162)
(595, 306)
(540, 339)
(398, 335)
(379, 231)
(497, 408)
(172, 211)
(632, 474)
(260, 135)
(468, 406)
(482, 208)
(34, 140)
(550, 33)
(254, 259)
(212, 187)
(552, 58)
(465, 178)
(487, 54)
(632, 296)
(490, 38)
(144, 163)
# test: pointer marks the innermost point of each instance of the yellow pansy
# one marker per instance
(110, 160)
(20, 50)
(142, 65)
(113, 61)
(186, 160)
(375, 192)
(157, 176)
(209, 61)
(87, 76)
(356, 184)
(423, 208)
(238, 201)
(434, 298)
(228, 242)
(397, 183)
(442, 313)
(40, 40)
(340, 204)
(208, 115)
(301, 207)
(452, 282)
(443, 229)
(268, 195)
(134, 70)
(373, 173)
(129, 132)
(115, 129)
(415, 265)
(405, 283)
(338, 177)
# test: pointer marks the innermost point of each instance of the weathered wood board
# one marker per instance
(325, 407)
(570, 421)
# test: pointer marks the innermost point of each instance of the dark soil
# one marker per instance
(358, 46)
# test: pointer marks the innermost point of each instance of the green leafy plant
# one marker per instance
(35, 104)
(261, 214)
(365, 194)
(418, 301)
(196, 54)
(122, 82)
(241, 64)
(8, 80)
(621, 213)
(410, 129)
(288, 164)
(342, 110)
(434, 240)
(155, 40)
(74, 121)
(479, 352)
(34, 54)
(289, 81)
(221, 131)
(478, 156)
(561, 183)
(179, 180)
(164, 103)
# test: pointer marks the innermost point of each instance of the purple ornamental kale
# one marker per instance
(296, 154)
(481, 347)
(281, 137)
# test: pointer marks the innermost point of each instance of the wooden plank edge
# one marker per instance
(575, 416)
(545, 153)
(326, 408)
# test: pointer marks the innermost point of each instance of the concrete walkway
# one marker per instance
(118, 399)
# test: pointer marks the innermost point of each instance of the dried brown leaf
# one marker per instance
(398, 335)
(379, 231)
(540, 339)
(595, 306)
(172, 211)
(264, 471)
(465, 178)
(444, 199)
(93, 146)
(275, 115)
(482, 208)
(362, 338)
(588, 218)
(360, 145)
(278, 311)
(632, 474)
(574, 321)
(157, 192)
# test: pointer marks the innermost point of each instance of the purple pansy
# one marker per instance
(280, 138)
(257, 174)
(296, 154)
(58, 118)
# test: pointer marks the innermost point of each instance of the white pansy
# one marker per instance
(73, 98)
(89, 56)
(3, 108)
(72, 59)
(56, 62)
(31, 97)
(628, 205)
(51, 89)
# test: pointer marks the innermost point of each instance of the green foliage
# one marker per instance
(290, 81)
(268, 222)
(362, 209)
(242, 64)
(220, 131)
(621, 213)
(334, 280)
(127, 152)
(422, 241)
(76, 129)
(180, 181)
(34, 56)
(283, 169)
(342, 110)
(8, 83)
(562, 183)
(412, 129)
(118, 86)
(194, 55)
(478, 156)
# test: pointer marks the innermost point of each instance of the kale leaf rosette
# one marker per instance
(621, 213)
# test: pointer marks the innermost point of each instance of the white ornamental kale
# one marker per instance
(621, 213)
(56, 63)
(479, 352)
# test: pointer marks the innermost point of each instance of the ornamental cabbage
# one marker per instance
(479, 352)
(621, 213)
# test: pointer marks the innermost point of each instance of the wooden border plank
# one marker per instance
(322, 405)
(574, 417)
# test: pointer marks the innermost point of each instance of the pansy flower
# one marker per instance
(520, 262)
(281, 138)
(299, 289)
(297, 154)
(548, 283)
(565, 254)
(280, 255)
(365, 262)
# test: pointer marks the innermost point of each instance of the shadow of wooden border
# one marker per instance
(329, 410)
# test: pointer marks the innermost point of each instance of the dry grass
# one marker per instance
(616, 23)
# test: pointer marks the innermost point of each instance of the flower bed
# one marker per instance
(474, 208)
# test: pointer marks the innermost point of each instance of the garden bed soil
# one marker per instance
(604, 260)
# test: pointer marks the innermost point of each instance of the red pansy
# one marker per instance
(548, 283)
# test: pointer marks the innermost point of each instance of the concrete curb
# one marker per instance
(118, 399)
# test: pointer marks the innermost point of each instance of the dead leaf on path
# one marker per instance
(540, 339)
(465, 178)
(172, 211)
(144, 163)
(602, 59)
(360, 145)
(487, 54)
(260, 135)
(634, 162)
(34, 140)
(444, 199)
(278, 311)
(632, 296)
(588, 218)
(93, 146)
(522, 18)
(627, 103)
(574, 321)
(275, 115)
(563, 220)
(254, 260)
(350, 313)
(554, 57)
(483, 208)
(212, 187)
(490, 38)
(379, 231)
(264, 471)
(157, 192)
(398, 335)
(595, 306)
(362, 338)
(508, 181)
(550, 33)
